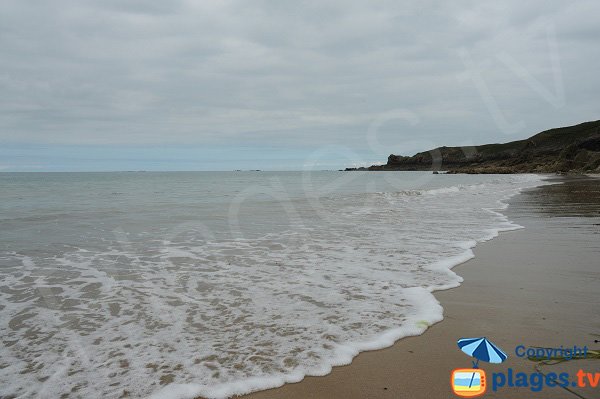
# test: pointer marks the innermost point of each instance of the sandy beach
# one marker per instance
(538, 286)
(299, 200)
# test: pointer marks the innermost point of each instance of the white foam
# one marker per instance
(227, 316)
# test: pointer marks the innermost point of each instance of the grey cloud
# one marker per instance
(190, 72)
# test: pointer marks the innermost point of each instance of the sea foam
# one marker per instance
(188, 314)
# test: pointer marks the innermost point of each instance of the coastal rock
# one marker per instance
(572, 148)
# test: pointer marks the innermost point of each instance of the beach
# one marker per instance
(296, 200)
(185, 284)
(207, 287)
(535, 287)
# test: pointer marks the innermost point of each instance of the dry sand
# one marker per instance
(539, 286)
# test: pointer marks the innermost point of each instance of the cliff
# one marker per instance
(566, 149)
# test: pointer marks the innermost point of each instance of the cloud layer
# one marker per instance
(292, 74)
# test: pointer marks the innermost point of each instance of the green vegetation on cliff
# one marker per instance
(566, 149)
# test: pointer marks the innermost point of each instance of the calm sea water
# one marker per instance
(181, 284)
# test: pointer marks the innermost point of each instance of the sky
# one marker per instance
(221, 85)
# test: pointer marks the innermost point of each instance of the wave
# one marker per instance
(191, 315)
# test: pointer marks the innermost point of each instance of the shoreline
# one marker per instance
(383, 373)
(421, 323)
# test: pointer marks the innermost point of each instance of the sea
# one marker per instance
(184, 284)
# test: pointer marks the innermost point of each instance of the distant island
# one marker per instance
(566, 149)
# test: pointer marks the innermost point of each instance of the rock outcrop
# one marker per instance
(566, 149)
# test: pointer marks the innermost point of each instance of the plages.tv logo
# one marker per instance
(470, 382)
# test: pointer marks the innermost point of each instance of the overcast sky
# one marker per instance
(221, 85)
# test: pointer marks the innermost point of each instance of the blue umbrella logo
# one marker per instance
(482, 349)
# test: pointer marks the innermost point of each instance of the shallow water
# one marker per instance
(181, 284)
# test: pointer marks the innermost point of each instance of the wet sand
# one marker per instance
(538, 286)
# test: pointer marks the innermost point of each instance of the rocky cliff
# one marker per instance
(566, 149)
